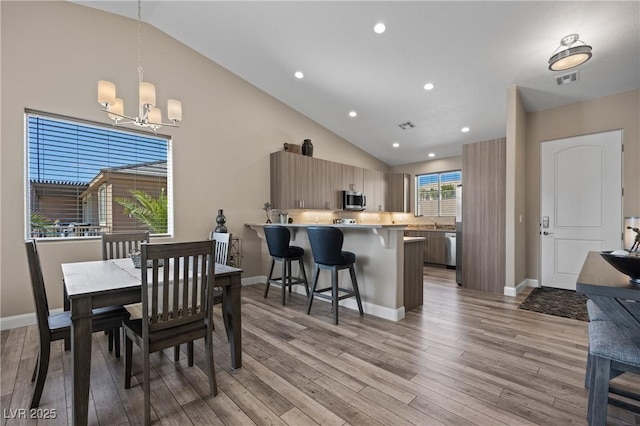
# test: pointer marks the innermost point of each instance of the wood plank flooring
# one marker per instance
(463, 358)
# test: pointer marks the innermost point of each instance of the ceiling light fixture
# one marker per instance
(431, 155)
(379, 28)
(428, 86)
(569, 56)
(465, 130)
(352, 114)
(299, 74)
(149, 117)
(395, 144)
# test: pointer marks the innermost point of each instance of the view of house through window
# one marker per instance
(84, 179)
(436, 193)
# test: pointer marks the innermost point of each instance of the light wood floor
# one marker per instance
(463, 358)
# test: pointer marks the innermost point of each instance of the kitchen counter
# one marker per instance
(379, 251)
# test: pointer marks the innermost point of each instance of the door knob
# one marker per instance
(547, 233)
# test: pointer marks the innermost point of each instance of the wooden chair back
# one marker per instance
(223, 241)
(37, 286)
(119, 245)
(180, 291)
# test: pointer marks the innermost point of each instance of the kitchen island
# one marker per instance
(379, 251)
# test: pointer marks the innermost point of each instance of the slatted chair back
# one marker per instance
(180, 291)
(37, 286)
(119, 245)
(223, 241)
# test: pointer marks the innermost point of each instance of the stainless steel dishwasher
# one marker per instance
(450, 243)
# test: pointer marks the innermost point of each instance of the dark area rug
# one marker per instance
(554, 301)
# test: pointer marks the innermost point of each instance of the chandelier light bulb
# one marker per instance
(147, 94)
(106, 92)
(174, 110)
(117, 109)
(155, 116)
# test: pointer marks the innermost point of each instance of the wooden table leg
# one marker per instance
(81, 358)
(232, 294)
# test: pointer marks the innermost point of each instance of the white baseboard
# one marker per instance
(514, 291)
(23, 320)
(368, 308)
(258, 279)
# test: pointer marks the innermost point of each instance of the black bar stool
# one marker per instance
(326, 246)
(278, 242)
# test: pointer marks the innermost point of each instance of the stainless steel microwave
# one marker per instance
(352, 200)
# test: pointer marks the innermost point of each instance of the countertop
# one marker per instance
(343, 225)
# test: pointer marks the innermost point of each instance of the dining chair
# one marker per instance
(177, 307)
(223, 241)
(118, 246)
(52, 327)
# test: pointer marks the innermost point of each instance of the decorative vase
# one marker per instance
(307, 148)
(220, 220)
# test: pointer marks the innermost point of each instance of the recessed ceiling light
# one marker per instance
(431, 155)
(428, 86)
(379, 28)
(299, 74)
(464, 129)
(352, 113)
(395, 144)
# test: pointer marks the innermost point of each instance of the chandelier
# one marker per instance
(149, 116)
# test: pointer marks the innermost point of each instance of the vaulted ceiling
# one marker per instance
(470, 51)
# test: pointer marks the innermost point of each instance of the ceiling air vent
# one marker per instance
(568, 78)
(407, 125)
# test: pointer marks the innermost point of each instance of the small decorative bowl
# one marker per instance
(628, 264)
(136, 258)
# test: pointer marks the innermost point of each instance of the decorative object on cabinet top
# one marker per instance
(293, 148)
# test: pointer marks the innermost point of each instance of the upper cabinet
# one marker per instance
(301, 182)
(397, 199)
(375, 189)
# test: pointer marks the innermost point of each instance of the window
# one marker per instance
(436, 193)
(84, 179)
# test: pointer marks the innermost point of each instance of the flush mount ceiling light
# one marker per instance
(299, 74)
(431, 155)
(353, 114)
(395, 145)
(569, 56)
(149, 117)
(379, 28)
(428, 86)
(464, 130)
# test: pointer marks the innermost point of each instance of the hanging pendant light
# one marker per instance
(569, 56)
(149, 117)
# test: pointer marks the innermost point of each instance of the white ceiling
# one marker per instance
(470, 51)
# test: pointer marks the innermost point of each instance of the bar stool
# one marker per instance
(326, 246)
(278, 242)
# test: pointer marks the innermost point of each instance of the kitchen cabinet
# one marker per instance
(375, 189)
(352, 178)
(435, 249)
(300, 182)
(413, 278)
(484, 215)
(397, 197)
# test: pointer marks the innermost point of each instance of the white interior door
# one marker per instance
(581, 203)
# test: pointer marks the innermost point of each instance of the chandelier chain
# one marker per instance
(139, 41)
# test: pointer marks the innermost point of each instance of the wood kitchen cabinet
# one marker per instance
(435, 249)
(375, 189)
(352, 178)
(397, 197)
(300, 182)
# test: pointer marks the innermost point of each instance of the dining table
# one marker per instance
(608, 288)
(96, 284)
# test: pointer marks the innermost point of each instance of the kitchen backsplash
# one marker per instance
(324, 216)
